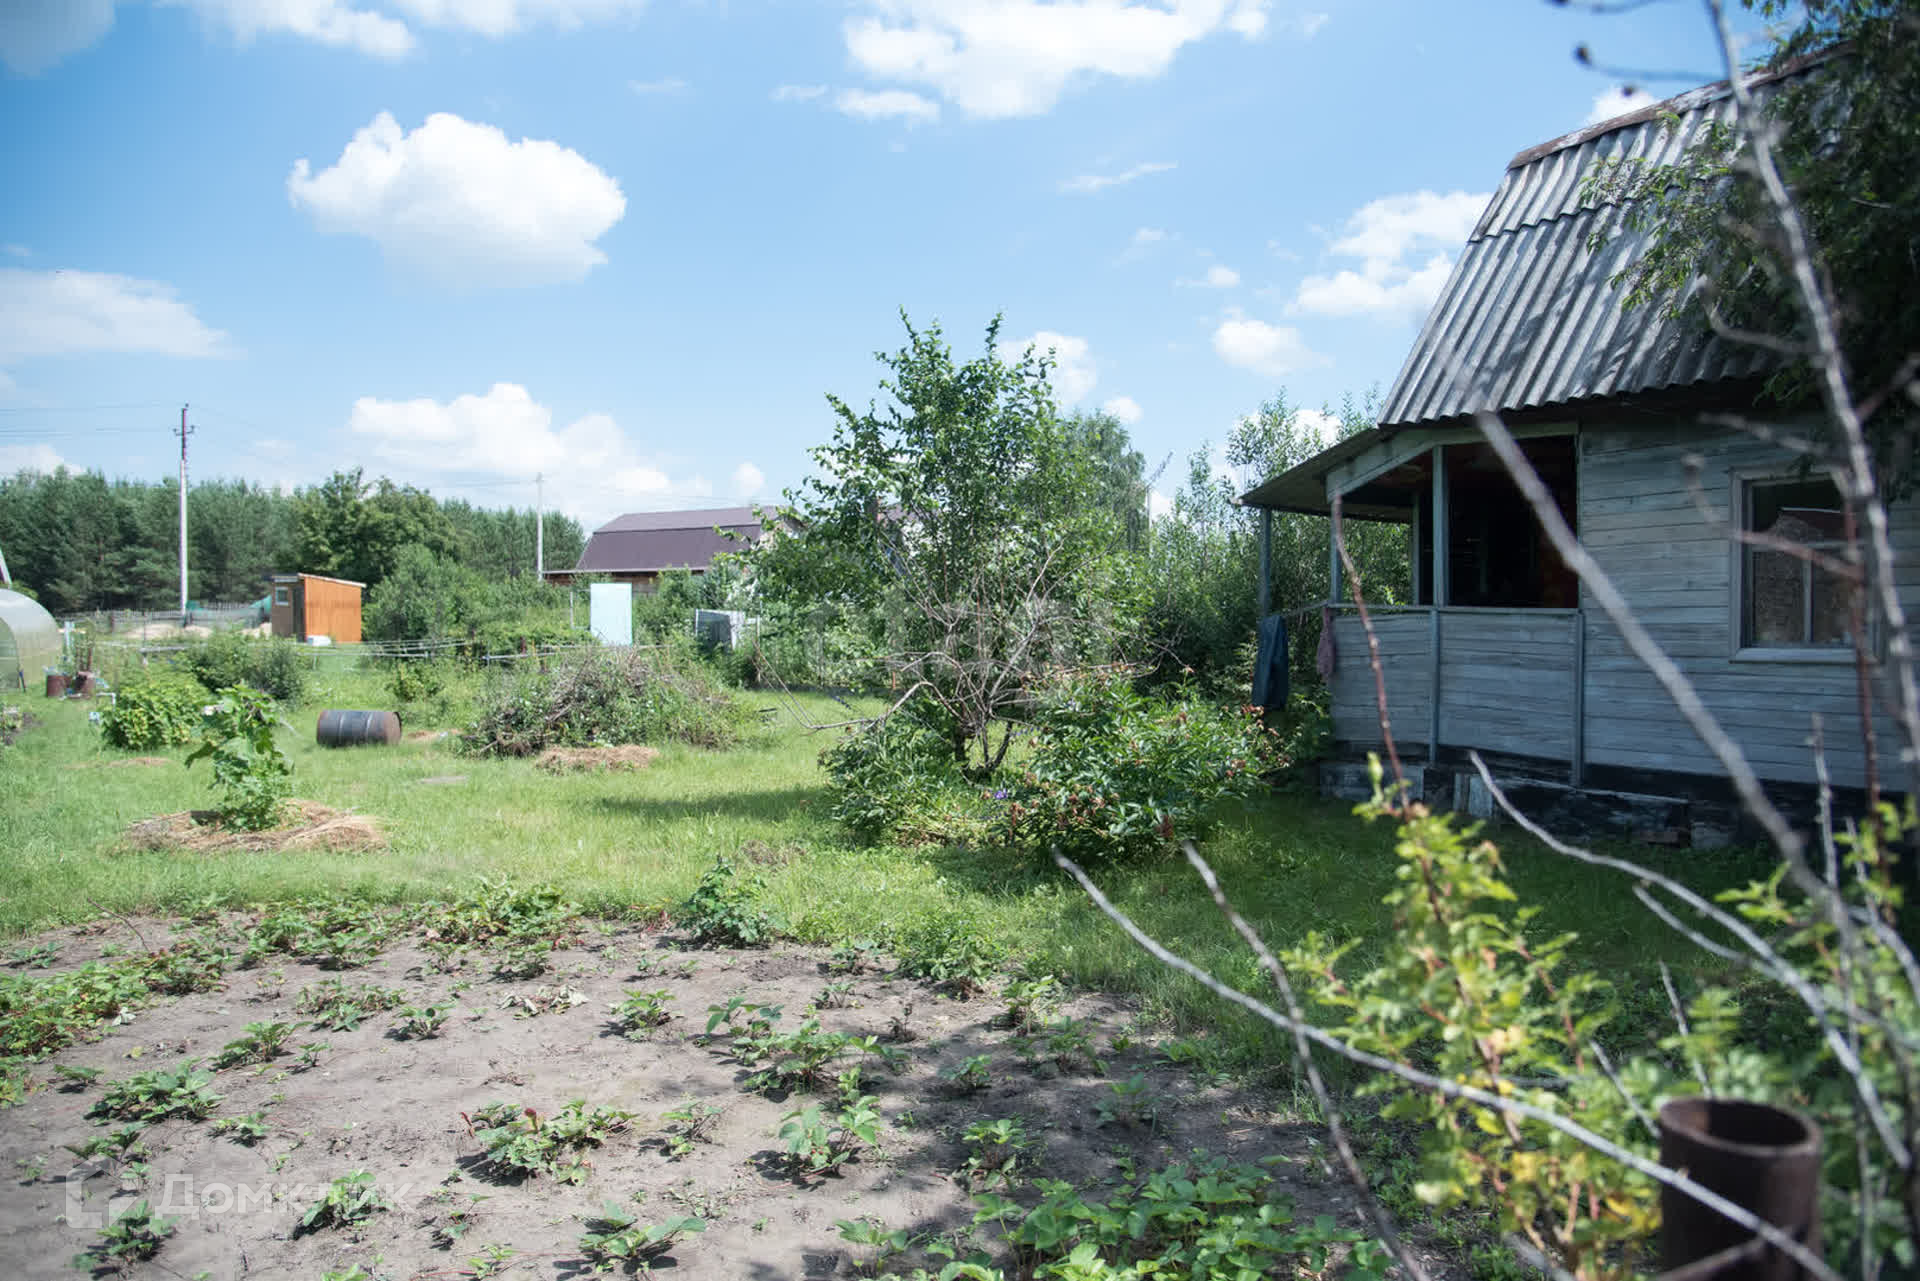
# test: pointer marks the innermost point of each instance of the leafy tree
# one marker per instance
(1117, 472)
(954, 512)
(353, 528)
(1848, 131)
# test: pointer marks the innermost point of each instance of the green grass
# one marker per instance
(640, 840)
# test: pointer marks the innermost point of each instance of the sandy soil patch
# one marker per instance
(394, 1108)
(572, 760)
(312, 826)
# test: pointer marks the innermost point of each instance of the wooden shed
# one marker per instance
(1497, 647)
(308, 605)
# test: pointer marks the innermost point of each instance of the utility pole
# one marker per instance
(183, 431)
(540, 526)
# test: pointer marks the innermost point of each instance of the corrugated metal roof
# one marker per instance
(1531, 317)
(650, 542)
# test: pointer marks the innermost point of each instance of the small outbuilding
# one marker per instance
(309, 605)
(640, 546)
(29, 640)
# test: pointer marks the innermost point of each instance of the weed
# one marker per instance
(335, 1007)
(616, 1236)
(723, 911)
(32, 957)
(954, 952)
(137, 1234)
(263, 1041)
(834, 996)
(519, 1144)
(153, 1096)
(352, 1198)
(641, 1012)
(309, 1056)
(245, 1130)
(491, 1260)
(459, 1219)
(971, 1075)
(1065, 1044)
(688, 1124)
(994, 1152)
(420, 1022)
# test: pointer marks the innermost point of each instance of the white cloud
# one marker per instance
(1270, 350)
(747, 481)
(1003, 58)
(799, 93)
(19, 458)
(1158, 505)
(1144, 236)
(461, 203)
(1324, 426)
(589, 463)
(57, 313)
(18, 251)
(1125, 408)
(669, 85)
(1073, 375)
(1387, 235)
(1217, 277)
(1309, 25)
(886, 104)
(1617, 101)
(36, 34)
(1088, 183)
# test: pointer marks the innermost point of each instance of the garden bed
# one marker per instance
(309, 826)
(411, 1113)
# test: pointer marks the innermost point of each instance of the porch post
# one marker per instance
(1442, 532)
(1265, 591)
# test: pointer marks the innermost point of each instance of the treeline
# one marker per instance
(80, 542)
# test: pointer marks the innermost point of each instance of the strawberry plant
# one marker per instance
(136, 1234)
(352, 1198)
(520, 1144)
(723, 910)
(971, 1075)
(617, 1237)
(335, 1007)
(153, 1096)
(420, 1022)
(245, 1130)
(818, 1146)
(263, 1041)
(688, 1124)
(642, 1012)
(994, 1153)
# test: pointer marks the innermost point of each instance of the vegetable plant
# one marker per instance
(136, 1234)
(236, 734)
(615, 1236)
(352, 1198)
(153, 1096)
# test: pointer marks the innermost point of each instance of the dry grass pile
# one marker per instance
(309, 826)
(573, 760)
(125, 762)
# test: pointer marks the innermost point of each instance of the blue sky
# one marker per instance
(631, 245)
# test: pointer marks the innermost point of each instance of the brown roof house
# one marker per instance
(640, 546)
(1498, 648)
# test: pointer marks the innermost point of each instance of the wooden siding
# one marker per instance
(332, 609)
(1506, 679)
(1676, 566)
(1405, 658)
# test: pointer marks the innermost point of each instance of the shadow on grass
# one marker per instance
(774, 806)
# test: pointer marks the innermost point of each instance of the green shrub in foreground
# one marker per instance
(1114, 773)
(889, 780)
(160, 711)
(248, 766)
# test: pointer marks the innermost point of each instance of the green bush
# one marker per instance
(1114, 773)
(252, 773)
(416, 680)
(160, 711)
(272, 665)
(607, 697)
(724, 909)
(898, 779)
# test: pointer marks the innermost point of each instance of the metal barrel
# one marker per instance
(339, 728)
(56, 684)
(1764, 1159)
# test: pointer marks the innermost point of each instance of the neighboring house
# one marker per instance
(309, 605)
(1501, 650)
(640, 546)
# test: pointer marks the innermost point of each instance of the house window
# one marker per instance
(282, 596)
(1788, 602)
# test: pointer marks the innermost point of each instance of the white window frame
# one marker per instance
(282, 594)
(1741, 483)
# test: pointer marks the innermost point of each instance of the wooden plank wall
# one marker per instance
(1406, 658)
(1506, 681)
(333, 610)
(1676, 567)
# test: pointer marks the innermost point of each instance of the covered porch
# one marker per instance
(1484, 646)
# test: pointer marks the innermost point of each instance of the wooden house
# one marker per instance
(1498, 648)
(309, 605)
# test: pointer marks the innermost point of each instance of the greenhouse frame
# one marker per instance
(29, 641)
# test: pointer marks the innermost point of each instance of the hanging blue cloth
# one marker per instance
(1270, 664)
